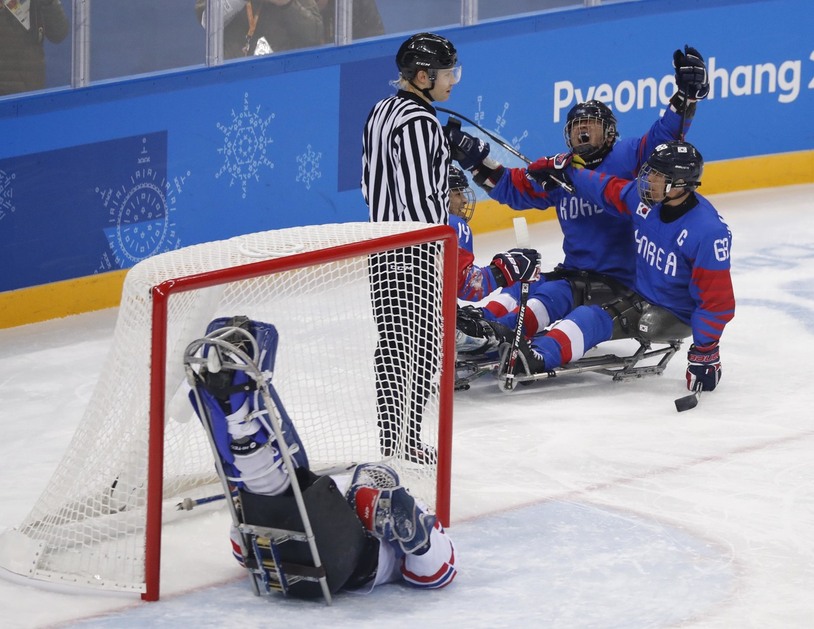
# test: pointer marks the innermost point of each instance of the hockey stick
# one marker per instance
(563, 184)
(511, 361)
(689, 401)
(188, 504)
(521, 235)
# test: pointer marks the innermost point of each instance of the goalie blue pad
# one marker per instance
(236, 408)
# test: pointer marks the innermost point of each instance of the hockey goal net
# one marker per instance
(139, 450)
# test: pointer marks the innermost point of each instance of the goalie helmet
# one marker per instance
(672, 165)
(425, 51)
(461, 195)
(592, 147)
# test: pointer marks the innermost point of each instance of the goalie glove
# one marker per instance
(691, 73)
(550, 171)
(703, 367)
(515, 265)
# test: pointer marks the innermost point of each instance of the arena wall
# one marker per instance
(93, 180)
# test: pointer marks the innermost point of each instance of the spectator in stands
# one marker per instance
(24, 26)
(260, 27)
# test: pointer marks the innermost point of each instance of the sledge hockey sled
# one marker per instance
(469, 368)
(654, 325)
(617, 367)
(659, 335)
(307, 541)
(620, 368)
(280, 558)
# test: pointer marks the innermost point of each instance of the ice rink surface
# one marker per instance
(576, 502)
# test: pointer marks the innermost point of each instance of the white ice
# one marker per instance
(577, 502)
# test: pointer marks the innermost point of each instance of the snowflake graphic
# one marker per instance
(245, 145)
(497, 152)
(6, 194)
(309, 167)
(141, 210)
(500, 124)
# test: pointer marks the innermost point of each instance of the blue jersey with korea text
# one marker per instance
(592, 240)
(682, 265)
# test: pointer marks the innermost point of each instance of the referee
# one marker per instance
(405, 166)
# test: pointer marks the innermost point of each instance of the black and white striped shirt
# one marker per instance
(405, 162)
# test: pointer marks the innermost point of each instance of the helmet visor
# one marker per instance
(453, 74)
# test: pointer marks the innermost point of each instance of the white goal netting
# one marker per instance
(89, 525)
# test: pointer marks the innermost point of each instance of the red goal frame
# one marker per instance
(160, 295)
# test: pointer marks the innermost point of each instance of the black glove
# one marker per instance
(515, 265)
(466, 149)
(703, 367)
(550, 171)
(691, 73)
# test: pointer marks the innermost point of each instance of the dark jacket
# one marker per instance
(367, 22)
(22, 59)
(295, 25)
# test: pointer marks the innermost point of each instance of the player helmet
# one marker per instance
(462, 197)
(673, 165)
(425, 51)
(457, 178)
(592, 147)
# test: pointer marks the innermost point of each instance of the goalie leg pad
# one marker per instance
(236, 406)
(394, 516)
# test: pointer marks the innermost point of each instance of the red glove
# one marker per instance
(551, 170)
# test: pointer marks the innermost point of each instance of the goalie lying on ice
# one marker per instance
(368, 529)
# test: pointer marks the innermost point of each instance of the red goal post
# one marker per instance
(314, 283)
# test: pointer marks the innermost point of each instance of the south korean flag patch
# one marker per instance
(642, 210)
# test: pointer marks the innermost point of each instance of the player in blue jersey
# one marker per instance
(461, 206)
(599, 250)
(475, 282)
(682, 263)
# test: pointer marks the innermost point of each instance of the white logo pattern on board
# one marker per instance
(245, 146)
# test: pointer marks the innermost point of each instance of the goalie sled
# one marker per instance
(277, 536)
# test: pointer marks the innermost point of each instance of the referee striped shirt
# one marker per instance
(405, 162)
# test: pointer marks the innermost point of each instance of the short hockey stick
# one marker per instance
(563, 184)
(511, 359)
(188, 504)
(689, 401)
(521, 235)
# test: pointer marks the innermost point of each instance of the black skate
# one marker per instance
(477, 342)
